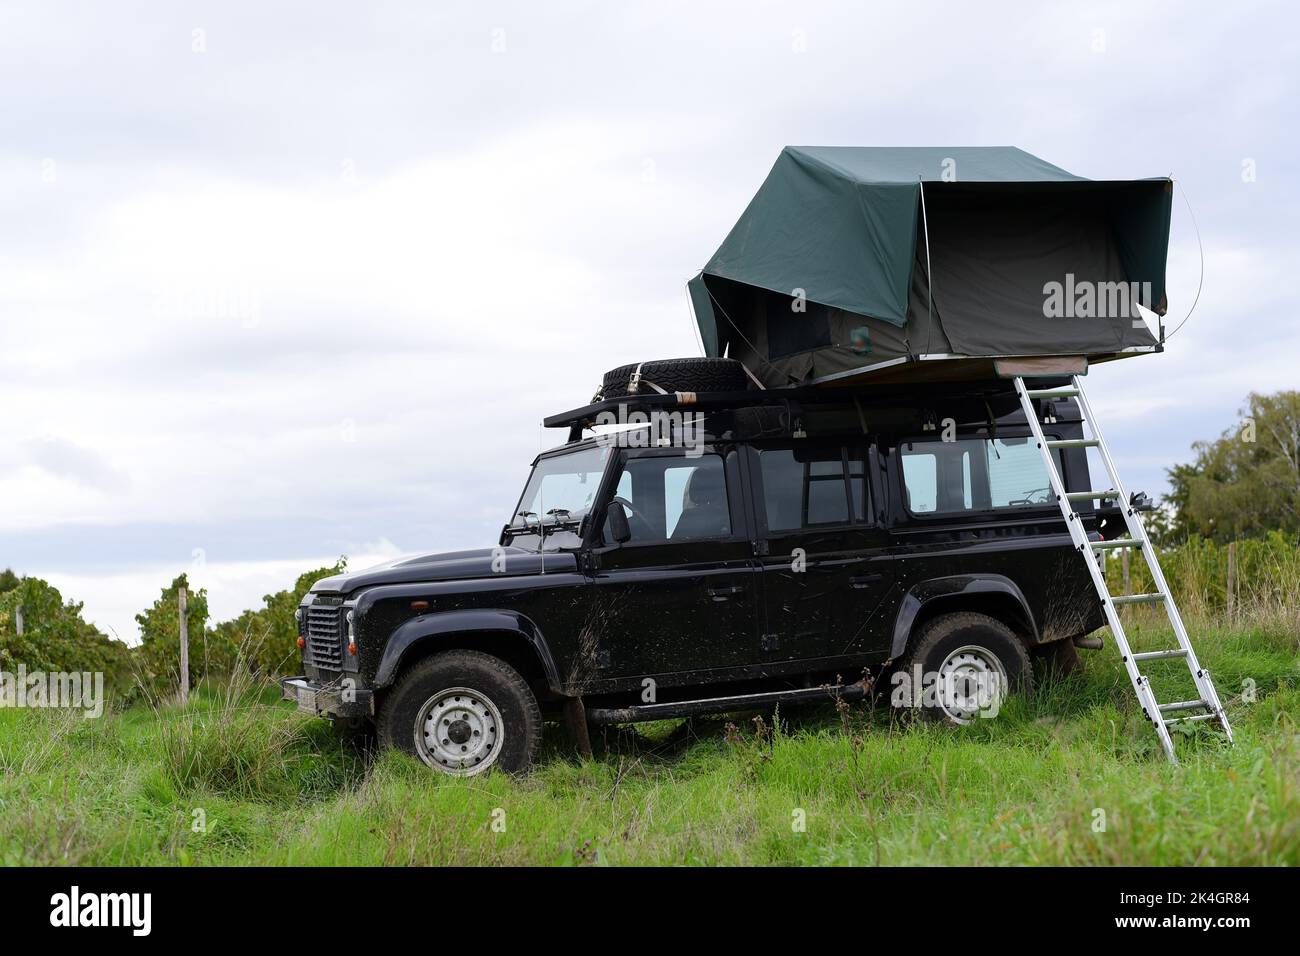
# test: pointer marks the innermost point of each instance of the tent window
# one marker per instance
(790, 332)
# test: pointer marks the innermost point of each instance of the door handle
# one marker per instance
(864, 580)
(722, 593)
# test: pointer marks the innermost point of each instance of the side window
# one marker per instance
(813, 487)
(1016, 475)
(920, 479)
(973, 474)
(675, 498)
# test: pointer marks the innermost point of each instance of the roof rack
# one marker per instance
(802, 397)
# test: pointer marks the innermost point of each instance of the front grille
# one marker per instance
(324, 635)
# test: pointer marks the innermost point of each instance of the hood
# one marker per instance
(448, 566)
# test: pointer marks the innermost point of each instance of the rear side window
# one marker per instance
(973, 474)
(811, 488)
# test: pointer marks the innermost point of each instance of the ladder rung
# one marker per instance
(1138, 598)
(1179, 720)
(1072, 443)
(1159, 655)
(1182, 705)
(1051, 392)
(1116, 543)
(1090, 495)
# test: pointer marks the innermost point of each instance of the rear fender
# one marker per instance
(958, 590)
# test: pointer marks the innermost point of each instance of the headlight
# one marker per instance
(352, 634)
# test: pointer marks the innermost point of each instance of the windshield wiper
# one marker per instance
(561, 520)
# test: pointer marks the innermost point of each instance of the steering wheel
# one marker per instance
(639, 526)
(1031, 497)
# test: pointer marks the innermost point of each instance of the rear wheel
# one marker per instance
(966, 664)
(462, 713)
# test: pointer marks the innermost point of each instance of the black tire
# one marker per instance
(948, 633)
(678, 375)
(492, 680)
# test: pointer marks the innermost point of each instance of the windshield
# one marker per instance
(559, 494)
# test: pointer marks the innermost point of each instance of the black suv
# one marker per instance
(728, 550)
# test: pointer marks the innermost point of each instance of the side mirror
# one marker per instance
(616, 521)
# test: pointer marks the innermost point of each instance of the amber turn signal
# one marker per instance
(352, 649)
(302, 641)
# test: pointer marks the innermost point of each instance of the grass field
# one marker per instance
(249, 781)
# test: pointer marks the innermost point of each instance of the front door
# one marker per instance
(679, 597)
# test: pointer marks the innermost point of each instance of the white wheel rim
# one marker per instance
(972, 680)
(459, 731)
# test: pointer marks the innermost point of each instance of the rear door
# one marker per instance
(826, 569)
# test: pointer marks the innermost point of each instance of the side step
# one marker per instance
(720, 705)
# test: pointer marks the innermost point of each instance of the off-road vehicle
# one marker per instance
(727, 548)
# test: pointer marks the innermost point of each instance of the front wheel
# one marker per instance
(960, 667)
(462, 713)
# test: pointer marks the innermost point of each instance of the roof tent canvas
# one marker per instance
(851, 260)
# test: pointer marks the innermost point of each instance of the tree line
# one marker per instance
(42, 631)
(1242, 485)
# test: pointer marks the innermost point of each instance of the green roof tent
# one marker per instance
(855, 263)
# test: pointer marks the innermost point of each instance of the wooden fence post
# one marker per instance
(185, 650)
(18, 620)
(1232, 581)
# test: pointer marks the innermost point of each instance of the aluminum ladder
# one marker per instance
(1208, 702)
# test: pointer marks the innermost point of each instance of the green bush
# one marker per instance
(158, 657)
(230, 750)
(55, 636)
(1267, 578)
(266, 640)
(261, 642)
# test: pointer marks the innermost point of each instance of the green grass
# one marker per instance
(274, 787)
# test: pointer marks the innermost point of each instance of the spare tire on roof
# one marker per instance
(678, 375)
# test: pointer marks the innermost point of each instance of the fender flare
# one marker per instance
(947, 588)
(430, 627)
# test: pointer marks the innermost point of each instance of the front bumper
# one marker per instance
(330, 700)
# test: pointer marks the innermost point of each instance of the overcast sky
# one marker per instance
(280, 282)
